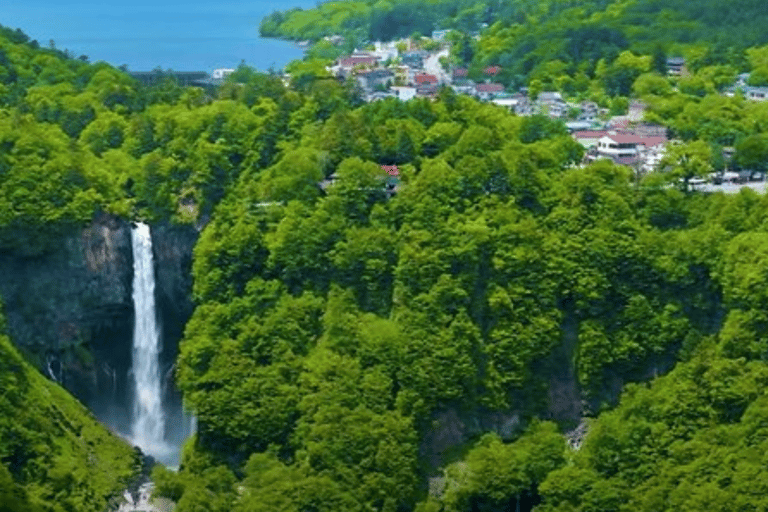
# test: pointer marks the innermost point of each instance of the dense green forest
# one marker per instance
(334, 329)
(545, 38)
(353, 349)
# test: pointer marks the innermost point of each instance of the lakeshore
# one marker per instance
(192, 36)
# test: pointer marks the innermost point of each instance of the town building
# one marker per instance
(552, 104)
(425, 79)
(756, 93)
(385, 51)
(360, 60)
(675, 66)
(439, 35)
(488, 91)
(221, 73)
(404, 93)
(374, 78)
(414, 59)
(626, 149)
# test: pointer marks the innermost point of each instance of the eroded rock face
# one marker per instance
(451, 429)
(70, 309)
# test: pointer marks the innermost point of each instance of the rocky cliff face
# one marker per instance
(70, 309)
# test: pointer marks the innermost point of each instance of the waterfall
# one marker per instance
(148, 425)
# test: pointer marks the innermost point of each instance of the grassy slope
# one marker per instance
(59, 456)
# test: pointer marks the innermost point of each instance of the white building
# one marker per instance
(404, 93)
(221, 73)
(756, 93)
(618, 147)
(439, 35)
(509, 103)
(385, 51)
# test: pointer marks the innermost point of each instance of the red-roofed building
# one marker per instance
(425, 79)
(486, 91)
(392, 170)
(358, 60)
(492, 70)
(589, 138)
(392, 179)
(625, 148)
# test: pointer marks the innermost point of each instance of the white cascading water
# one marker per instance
(148, 427)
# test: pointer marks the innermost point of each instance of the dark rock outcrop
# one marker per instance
(70, 308)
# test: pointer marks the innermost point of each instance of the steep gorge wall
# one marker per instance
(70, 309)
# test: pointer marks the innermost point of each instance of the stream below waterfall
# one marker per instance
(141, 501)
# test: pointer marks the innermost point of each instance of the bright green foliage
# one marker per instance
(682, 162)
(334, 322)
(343, 313)
(496, 476)
(693, 439)
(54, 456)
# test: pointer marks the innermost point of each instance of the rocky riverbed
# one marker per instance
(141, 501)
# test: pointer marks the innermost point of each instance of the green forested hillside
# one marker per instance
(420, 342)
(572, 27)
(77, 138)
(54, 455)
(335, 328)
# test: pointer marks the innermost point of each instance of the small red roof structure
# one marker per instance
(392, 170)
(358, 60)
(460, 72)
(489, 88)
(648, 142)
(492, 70)
(586, 134)
(424, 78)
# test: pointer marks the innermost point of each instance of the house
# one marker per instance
(649, 130)
(675, 66)
(488, 91)
(404, 93)
(376, 96)
(385, 51)
(426, 89)
(221, 73)
(578, 126)
(464, 88)
(589, 138)
(369, 80)
(492, 70)
(525, 106)
(391, 179)
(508, 103)
(413, 60)
(652, 157)
(424, 79)
(353, 61)
(625, 149)
(552, 104)
(756, 93)
(589, 111)
(439, 35)
(636, 111)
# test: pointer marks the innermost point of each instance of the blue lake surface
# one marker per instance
(187, 35)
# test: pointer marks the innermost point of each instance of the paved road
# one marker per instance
(432, 66)
(731, 188)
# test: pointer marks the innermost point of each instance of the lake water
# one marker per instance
(183, 35)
